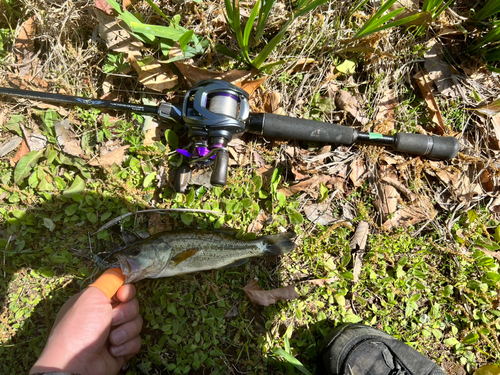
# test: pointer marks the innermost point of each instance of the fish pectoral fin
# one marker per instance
(179, 258)
(235, 264)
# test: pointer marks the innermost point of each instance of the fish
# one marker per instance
(182, 252)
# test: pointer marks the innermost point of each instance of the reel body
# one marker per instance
(213, 112)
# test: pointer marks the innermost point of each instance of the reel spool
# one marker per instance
(213, 111)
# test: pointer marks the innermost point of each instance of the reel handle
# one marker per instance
(219, 172)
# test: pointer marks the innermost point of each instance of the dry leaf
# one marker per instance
(387, 196)
(154, 75)
(25, 46)
(193, 74)
(201, 176)
(495, 205)
(488, 370)
(22, 151)
(321, 282)
(311, 186)
(463, 183)
(358, 172)
(104, 6)
(418, 211)
(113, 157)
(259, 222)
(357, 246)
(66, 138)
(345, 101)
(410, 195)
(35, 139)
(263, 297)
(439, 71)
(158, 223)
(491, 109)
(320, 213)
(386, 112)
(251, 86)
(304, 64)
(422, 82)
(10, 145)
(116, 37)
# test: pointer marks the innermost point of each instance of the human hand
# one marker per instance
(93, 334)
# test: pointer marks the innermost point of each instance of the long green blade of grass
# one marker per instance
(158, 10)
(375, 19)
(292, 360)
(492, 36)
(264, 12)
(491, 8)
(249, 26)
(493, 55)
(266, 51)
(375, 23)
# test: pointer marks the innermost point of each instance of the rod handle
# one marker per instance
(430, 146)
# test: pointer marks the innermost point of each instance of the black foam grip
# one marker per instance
(431, 146)
(182, 177)
(307, 130)
(219, 173)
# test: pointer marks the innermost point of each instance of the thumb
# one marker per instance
(109, 282)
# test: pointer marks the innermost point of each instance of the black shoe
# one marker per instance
(356, 349)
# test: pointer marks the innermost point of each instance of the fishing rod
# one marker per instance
(214, 111)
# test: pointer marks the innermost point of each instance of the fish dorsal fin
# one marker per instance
(228, 232)
(186, 254)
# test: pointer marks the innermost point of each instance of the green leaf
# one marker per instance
(281, 199)
(156, 30)
(187, 218)
(148, 179)
(77, 187)
(471, 338)
(487, 244)
(49, 224)
(172, 138)
(295, 217)
(292, 360)
(415, 298)
(25, 165)
(452, 341)
(185, 38)
(347, 67)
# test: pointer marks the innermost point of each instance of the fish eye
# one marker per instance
(134, 251)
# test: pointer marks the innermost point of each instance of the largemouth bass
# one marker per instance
(177, 253)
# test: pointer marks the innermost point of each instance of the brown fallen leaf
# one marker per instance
(310, 185)
(259, 222)
(410, 195)
(321, 282)
(24, 46)
(304, 64)
(259, 296)
(193, 74)
(462, 182)
(491, 109)
(10, 145)
(251, 86)
(113, 157)
(320, 213)
(104, 6)
(418, 211)
(347, 102)
(23, 150)
(154, 75)
(439, 70)
(357, 246)
(35, 139)
(387, 196)
(66, 138)
(385, 115)
(422, 82)
(358, 172)
(116, 37)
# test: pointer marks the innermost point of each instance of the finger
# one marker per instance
(125, 293)
(126, 331)
(125, 312)
(128, 349)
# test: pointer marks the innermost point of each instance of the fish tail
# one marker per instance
(278, 244)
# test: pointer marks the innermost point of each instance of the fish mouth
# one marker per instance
(128, 266)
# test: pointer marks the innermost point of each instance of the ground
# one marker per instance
(396, 241)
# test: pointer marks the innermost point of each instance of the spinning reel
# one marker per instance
(213, 112)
